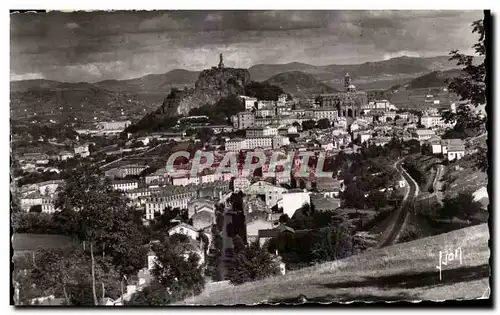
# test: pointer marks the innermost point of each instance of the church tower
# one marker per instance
(347, 82)
(221, 63)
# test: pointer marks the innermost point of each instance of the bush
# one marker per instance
(251, 264)
(36, 209)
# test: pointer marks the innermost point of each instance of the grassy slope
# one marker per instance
(400, 272)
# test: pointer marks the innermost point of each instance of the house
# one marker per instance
(203, 219)
(250, 102)
(33, 199)
(125, 170)
(240, 184)
(158, 177)
(328, 185)
(442, 146)
(185, 229)
(48, 205)
(436, 145)
(324, 203)
(271, 192)
(455, 152)
(423, 134)
(124, 185)
(380, 141)
(267, 234)
(254, 226)
(200, 204)
(82, 150)
(235, 145)
(167, 198)
(293, 200)
(50, 300)
(186, 180)
(49, 187)
(243, 120)
(144, 140)
(364, 136)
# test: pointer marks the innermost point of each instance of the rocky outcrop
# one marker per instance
(211, 86)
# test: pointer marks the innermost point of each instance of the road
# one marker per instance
(438, 185)
(399, 217)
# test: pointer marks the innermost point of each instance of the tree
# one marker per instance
(353, 196)
(470, 85)
(36, 209)
(251, 264)
(56, 269)
(284, 218)
(205, 134)
(155, 294)
(377, 200)
(263, 91)
(308, 124)
(180, 276)
(323, 123)
(461, 206)
(105, 222)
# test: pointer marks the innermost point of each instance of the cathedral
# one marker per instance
(349, 103)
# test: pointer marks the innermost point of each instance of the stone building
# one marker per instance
(348, 103)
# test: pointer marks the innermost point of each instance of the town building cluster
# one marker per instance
(336, 122)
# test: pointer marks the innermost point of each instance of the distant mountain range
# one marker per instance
(146, 93)
(299, 84)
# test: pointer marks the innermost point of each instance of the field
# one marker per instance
(400, 272)
(30, 242)
(415, 98)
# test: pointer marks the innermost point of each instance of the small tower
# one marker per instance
(221, 63)
(347, 81)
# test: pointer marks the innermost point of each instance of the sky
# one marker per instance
(102, 45)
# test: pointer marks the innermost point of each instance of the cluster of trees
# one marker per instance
(220, 112)
(318, 237)
(65, 272)
(204, 134)
(470, 86)
(323, 123)
(463, 206)
(49, 131)
(364, 175)
(264, 91)
(175, 277)
(113, 247)
(37, 177)
(251, 263)
(99, 218)
(153, 122)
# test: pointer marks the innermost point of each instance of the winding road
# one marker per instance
(399, 217)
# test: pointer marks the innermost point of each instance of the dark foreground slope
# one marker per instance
(404, 271)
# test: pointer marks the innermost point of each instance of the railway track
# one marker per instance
(391, 234)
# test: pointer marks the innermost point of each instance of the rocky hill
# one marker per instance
(299, 84)
(211, 86)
